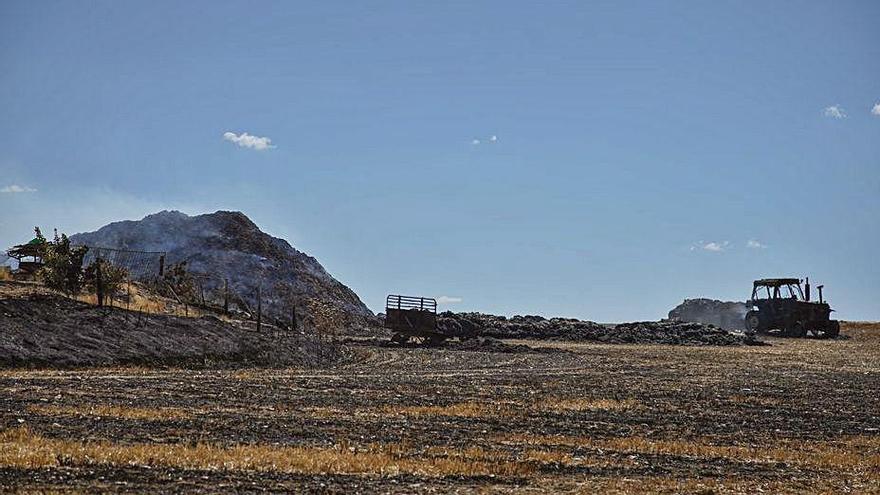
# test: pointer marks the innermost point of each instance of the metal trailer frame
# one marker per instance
(412, 317)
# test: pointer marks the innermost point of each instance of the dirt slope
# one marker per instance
(42, 329)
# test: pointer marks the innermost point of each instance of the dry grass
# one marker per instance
(707, 486)
(460, 410)
(862, 330)
(756, 400)
(5, 274)
(509, 409)
(142, 300)
(557, 404)
(113, 411)
(20, 448)
(854, 454)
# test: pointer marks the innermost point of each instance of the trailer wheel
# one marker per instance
(797, 329)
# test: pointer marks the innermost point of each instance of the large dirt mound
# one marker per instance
(228, 245)
(48, 330)
(537, 327)
(724, 314)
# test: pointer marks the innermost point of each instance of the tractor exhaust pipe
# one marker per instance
(820, 292)
(807, 290)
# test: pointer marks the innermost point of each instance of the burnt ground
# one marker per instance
(41, 328)
(800, 416)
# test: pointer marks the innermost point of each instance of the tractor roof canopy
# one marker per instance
(776, 282)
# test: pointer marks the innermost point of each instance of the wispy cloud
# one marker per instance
(448, 300)
(15, 188)
(875, 110)
(755, 244)
(835, 112)
(713, 246)
(246, 140)
(489, 140)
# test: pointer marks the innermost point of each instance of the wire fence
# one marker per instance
(199, 293)
(139, 265)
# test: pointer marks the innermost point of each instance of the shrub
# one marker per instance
(112, 277)
(180, 282)
(62, 265)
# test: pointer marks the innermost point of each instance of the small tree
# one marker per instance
(181, 282)
(62, 265)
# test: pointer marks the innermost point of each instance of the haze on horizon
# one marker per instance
(596, 160)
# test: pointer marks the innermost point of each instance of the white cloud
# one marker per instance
(712, 246)
(835, 112)
(755, 244)
(491, 139)
(448, 300)
(876, 109)
(14, 188)
(245, 140)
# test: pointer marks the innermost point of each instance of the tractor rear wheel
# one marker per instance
(826, 330)
(797, 329)
(833, 329)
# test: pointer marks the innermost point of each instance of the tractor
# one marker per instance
(781, 306)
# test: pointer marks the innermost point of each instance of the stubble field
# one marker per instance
(800, 415)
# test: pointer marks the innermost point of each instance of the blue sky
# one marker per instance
(644, 152)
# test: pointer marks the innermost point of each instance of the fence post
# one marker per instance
(226, 296)
(162, 265)
(99, 281)
(259, 307)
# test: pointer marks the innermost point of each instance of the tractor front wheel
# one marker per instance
(753, 322)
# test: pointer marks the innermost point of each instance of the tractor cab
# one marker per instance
(778, 288)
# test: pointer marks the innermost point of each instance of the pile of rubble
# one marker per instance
(536, 327)
(724, 314)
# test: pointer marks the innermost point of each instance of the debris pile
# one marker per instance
(536, 327)
(673, 333)
(724, 314)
